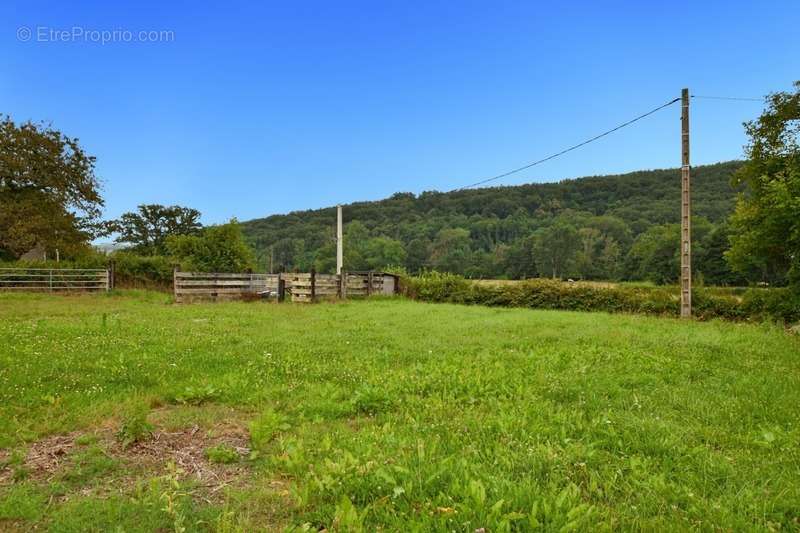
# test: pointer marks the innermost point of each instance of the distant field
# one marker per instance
(129, 413)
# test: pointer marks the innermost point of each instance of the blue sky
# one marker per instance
(251, 109)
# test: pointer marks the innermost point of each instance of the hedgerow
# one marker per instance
(778, 304)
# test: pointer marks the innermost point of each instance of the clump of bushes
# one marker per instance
(779, 304)
(140, 271)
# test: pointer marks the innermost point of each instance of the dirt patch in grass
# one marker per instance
(48, 459)
(186, 449)
(47, 456)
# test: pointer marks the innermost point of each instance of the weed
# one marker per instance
(135, 427)
(371, 400)
(264, 428)
(222, 454)
(197, 395)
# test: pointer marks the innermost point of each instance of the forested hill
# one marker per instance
(595, 227)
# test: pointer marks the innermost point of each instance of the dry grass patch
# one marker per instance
(183, 451)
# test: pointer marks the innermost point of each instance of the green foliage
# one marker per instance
(371, 400)
(362, 252)
(148, 229)
(510, 232)
(49, 195)
(264, 428)
(754, 304)
(222, 454)
(766, 224)
(135, 427)
(196, 395)
(433, 286)
(217, 249)
(556, 246)
(132, 270)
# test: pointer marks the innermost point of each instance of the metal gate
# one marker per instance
(54, 279)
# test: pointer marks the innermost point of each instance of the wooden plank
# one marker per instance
(212, 291)
(221, 282)
(317, 292)
(218, 275)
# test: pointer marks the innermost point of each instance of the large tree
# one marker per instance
(147, 229)
(766, 223)
(555, 247)
(49, 194)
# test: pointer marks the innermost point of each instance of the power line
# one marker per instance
(562, 152)
(741, 98)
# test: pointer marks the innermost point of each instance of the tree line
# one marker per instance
(598, 228)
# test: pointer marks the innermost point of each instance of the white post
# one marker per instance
(339, 241)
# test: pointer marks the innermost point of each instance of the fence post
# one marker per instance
(175, 282)
(369, 283)
(112, 275)
(344, 284)
(51, 280)
(313, 284)
(281, 288)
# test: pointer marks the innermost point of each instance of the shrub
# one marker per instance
(217, 249)
(132, 270)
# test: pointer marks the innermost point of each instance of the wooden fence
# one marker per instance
(301, 287)
(55, 279)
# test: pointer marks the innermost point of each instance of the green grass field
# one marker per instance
(129, 413)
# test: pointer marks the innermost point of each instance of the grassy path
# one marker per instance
(389, 413)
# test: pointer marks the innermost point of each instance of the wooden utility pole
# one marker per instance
(339, 242)
(686, 212)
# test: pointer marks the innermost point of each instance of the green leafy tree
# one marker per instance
(654, 255)
(711, 261)
(148, 228)
(609, 259)
(381, 252)
(519, 260)
(417, 255)
(450, 251)
(555, 247)
(49, 194)
(765, 226)
(586, 263)
(216, 249)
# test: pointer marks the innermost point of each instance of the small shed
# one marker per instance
(391, 283)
